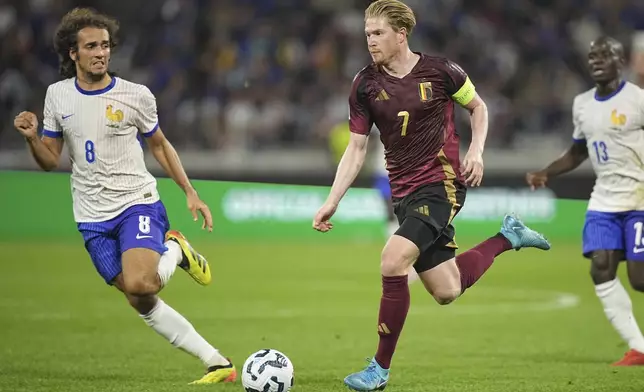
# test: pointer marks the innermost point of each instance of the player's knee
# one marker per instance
(395, 262)
(446, 296)
(392, 266)
(142, 304)
(141, 287)
(603, 268)
(600, 276)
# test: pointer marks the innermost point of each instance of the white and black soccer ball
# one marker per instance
(267, 370)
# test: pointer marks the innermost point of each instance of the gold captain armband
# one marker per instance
(466, 93)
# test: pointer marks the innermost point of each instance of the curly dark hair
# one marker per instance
(66, 37)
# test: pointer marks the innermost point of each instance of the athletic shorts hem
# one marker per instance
(433, 258)
(587, 253)
(152, 245)
(109, 280)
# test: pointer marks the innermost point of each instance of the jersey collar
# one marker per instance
(611, 95)
(95, 92)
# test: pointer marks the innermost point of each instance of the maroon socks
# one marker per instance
(477, 260)
(394, 305)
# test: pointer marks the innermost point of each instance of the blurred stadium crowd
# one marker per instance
(256, 74)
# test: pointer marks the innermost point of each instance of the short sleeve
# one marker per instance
(51, 126)
(147, 121)
(458, 84)
(359, 118)
(577, 134)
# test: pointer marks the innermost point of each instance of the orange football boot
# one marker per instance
(632, 358)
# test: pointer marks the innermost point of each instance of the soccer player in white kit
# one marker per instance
(115, 200)
(609, 130)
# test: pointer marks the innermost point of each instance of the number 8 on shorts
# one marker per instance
(144, 224)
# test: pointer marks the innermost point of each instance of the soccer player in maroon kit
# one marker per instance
(411, 99)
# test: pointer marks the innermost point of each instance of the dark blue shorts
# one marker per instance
(139, 226)
(615, 231)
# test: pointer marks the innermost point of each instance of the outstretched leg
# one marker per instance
(514, 234)
(150, 256)
(141, 283)
(473, 263)
(447, 280)
(131, 253)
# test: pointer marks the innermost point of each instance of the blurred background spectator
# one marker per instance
(252, 75)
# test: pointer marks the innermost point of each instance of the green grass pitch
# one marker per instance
(532, 323)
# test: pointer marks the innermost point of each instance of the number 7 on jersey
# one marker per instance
(405, 115)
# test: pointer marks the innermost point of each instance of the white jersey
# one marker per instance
(101, 131)
(613, 130)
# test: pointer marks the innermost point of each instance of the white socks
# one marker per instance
(619, 310)
(173, 326)
(181, 334)
(169, 261)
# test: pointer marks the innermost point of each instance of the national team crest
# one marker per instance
(617, 119)
(425, 91)
(113, 117)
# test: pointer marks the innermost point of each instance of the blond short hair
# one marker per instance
(398, 14)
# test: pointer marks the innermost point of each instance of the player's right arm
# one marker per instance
(46, 150)
(354, 155)
(349, 167)
(574, 156)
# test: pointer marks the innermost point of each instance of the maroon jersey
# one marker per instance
(415, 117)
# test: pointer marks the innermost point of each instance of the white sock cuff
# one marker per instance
(603, 289)
(173, 246)
(168, 262)
(154, 313)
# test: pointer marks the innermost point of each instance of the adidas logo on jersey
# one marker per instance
(382, 96)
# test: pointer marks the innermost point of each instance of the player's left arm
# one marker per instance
(463, 92)
(165, 153)
(478, 121)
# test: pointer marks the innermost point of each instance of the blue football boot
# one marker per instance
(521, 236)
(373, 378)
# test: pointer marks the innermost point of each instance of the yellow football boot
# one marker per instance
(217, 374)
(193, 263)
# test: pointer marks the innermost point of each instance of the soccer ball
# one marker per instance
(267, 370)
